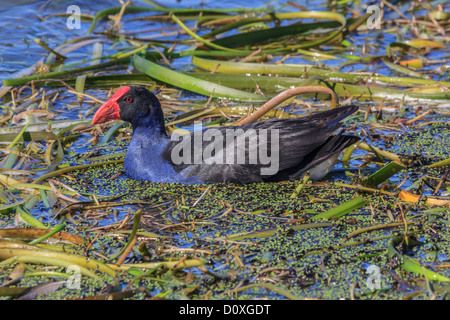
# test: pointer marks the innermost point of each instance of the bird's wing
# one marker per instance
(329, 150)
(255, 151)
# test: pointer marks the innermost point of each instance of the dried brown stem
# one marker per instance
(283, 96)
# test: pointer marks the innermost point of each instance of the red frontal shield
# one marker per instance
(110, 110)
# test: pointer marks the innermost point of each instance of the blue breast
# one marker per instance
(144, 160)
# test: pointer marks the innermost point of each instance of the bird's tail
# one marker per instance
(333, 146)
(334, 116)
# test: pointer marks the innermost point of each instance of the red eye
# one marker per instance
(129, 99)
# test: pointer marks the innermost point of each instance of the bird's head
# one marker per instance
(136, 105)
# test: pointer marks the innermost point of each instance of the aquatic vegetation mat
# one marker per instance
(73, 226)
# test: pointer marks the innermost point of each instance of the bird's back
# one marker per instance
(270, 150)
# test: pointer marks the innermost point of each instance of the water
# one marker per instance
(23, 21)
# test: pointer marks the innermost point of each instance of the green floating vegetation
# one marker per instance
(442, 163)
(34, 259)
(411, 265)
(254, 37)
(66, 259)
(27, 136)
(363, 92)
(277, 289)
(303, 70)
(284, 240)
(190, 83)
(26, 217)
(275, 32)
(74, 168)
(64, 73)
(12, 291)
(136, 221)
(111, 131)
(8, 208)
(55, 230)
(342, 209)
(266, 233)
(106, 81)
(384, 173)
(133, 9)
(24, 135)
(196, 37)
(183, 264)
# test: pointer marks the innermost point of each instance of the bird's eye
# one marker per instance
(129, 99)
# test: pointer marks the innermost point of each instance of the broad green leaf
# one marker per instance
(342, 209)
(190, 83)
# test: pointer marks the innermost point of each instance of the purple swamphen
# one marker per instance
(269, 150)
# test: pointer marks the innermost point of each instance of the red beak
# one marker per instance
(110, 110)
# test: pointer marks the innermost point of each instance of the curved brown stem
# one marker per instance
(279, 98)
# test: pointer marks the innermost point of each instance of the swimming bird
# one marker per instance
(266, 150)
